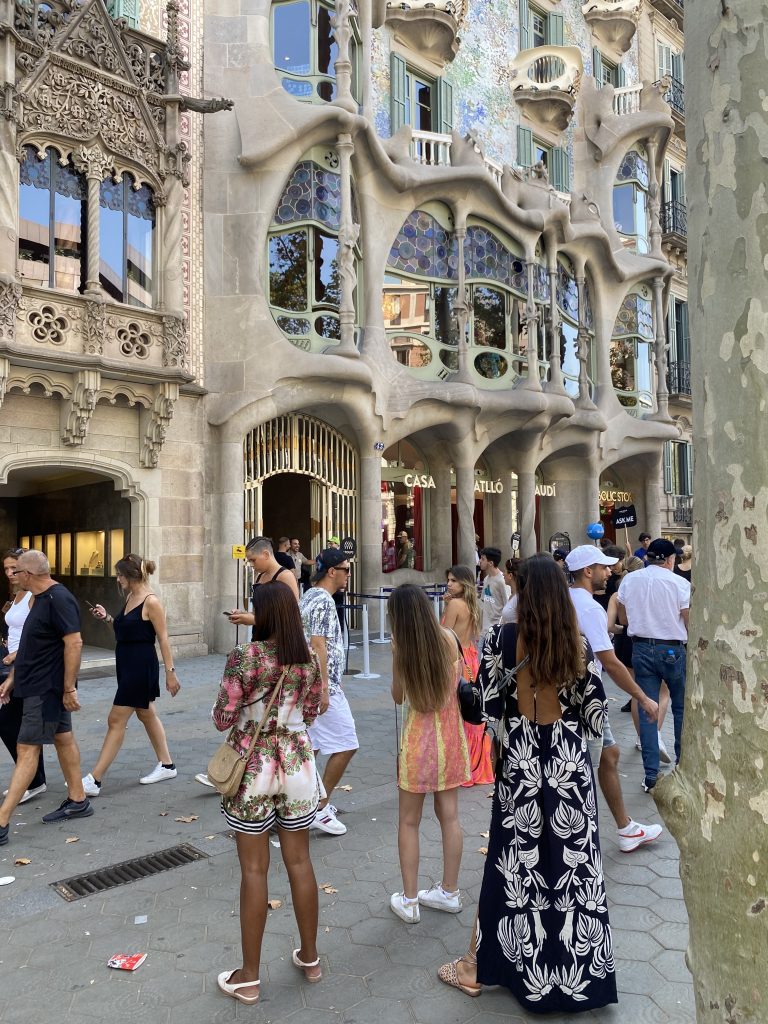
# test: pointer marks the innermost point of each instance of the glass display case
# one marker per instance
(116, 548)
(37, 542)
(65, 554)
(50, 551)
(89, 553)
(24, 542)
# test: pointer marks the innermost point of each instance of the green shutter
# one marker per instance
(555, 29)
(397, 92)
(666, 192)
(621, 76)
(524, 146)
(672, 331)
(684, 343)
(668, 467)
(689, 467)
(444, 106)
(560, 170)
(128, 9)
(525, 25)
(677, 67)
(597, 67)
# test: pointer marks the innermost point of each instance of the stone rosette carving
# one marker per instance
(154, 423)
(175, 342)
(10, 300)
(77, 410)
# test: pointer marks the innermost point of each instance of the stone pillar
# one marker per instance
(369, 523)
(660, 352)
(461, 308)
(654, 200)
(229, 517)
(170, 230)
(465, 507)
(652, 496)
(583, 341)
(349, 232)
(526, 503)
(94, 164)
(501, 512)
(573, 505)
(555, 385)
(440, 517)
(532, 381)
(342, 33)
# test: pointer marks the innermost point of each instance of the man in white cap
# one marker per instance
(590, 569)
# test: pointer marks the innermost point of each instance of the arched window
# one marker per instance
(630, 199)
(568, 305)
(52, 207)
(305, 51)
(631, 355)
(420, 296)
(127, 227)
(304, 282)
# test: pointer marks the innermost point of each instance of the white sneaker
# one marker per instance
(663, 752)
(158, 774)
(638, 746)
(203, 779)
(326, 820)
(438, 899)
(635, 834)
(90, 787)
(405, 909)
(30, 794)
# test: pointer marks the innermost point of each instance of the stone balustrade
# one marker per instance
(626, 99)
(545, 84)
(433, 149)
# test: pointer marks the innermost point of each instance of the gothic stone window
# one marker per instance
(52, 206)
(305, 51)
(127, 223)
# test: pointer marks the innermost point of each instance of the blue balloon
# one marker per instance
(595, 531)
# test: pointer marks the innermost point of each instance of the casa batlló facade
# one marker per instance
(434, 297)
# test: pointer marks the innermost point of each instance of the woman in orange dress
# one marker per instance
(433, 751)
(463, 615)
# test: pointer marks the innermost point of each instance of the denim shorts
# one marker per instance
(43, 718)
(596, 747)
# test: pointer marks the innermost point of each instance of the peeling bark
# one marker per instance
(716, 804)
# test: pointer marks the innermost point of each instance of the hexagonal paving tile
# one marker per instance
(632, 945)
(405, 981)
(671, 963)
(417, 951)
(377, 1010)
(637, 977)
(672, 935)
(336, 993)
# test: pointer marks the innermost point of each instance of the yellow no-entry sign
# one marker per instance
(238, 550)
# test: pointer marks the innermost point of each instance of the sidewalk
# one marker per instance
(376, 969)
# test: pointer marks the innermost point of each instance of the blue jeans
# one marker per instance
(655, 663)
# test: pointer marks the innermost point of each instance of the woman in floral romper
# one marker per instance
(280, 785)
(542, 927)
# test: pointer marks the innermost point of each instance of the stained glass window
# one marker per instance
(425, 249)
(635, 318)
(52, 204)
(567, 293)
(634, 168)
(313, 193)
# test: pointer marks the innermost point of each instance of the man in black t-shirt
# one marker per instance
(45, 677)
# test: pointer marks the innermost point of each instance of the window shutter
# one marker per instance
(597, 67)
(524, 146)
(672, 331)
(677, 67)
(621, 76)
(525, 25)
(128, 9)
(668, 467)
(689, 467)
(681, 187)
(684, 343)
(667, 191)
(555, 29)
(397, 92)
(560, 170)
(444, 106)
(664, 54)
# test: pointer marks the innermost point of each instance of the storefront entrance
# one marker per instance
(300, 481)
(82, 524)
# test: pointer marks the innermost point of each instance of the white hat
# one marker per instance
(587, 554)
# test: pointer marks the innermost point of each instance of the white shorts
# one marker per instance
(334, 732)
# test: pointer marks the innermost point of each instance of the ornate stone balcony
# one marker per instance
(546, 82)
(428, 27)
(626, 99)
(433, 149)
(613, 22)
(673, 9)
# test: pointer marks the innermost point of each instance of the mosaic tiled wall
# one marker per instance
(480, 72)
(152, 19)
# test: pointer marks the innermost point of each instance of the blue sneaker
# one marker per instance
(70, 809)
(4, 834)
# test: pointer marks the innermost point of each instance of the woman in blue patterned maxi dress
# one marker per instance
(542, 926)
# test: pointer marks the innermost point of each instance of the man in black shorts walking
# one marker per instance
(45, 677)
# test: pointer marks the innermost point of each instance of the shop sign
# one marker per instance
(349, 547)
(624, 515)
(623, 497)
(489, 487)
(238, 550)
(546, 490)
(422, 480)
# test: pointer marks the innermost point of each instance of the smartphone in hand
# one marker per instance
(91, 606)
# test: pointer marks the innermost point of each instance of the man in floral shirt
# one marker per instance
(333, 733)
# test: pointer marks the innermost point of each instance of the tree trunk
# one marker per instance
(716, 803)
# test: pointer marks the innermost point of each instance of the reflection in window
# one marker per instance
(488, 307)
(52, 207)
(630, 200)
(127, 226)
(405, 489)
(631, 353)
(305, 50)
(288, 271)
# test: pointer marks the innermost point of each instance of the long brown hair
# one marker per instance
(422, 660)
(466, 577)
(134, 567)
(276, 617)
(547, 623)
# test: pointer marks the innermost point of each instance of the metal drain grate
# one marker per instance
(93, 882)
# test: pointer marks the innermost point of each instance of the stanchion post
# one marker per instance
(366, 673)
(382, 638)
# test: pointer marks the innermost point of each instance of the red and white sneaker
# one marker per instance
(634, 834)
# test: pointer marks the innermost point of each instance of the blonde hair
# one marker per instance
(466, 578)
(687, 552)
(422, 659)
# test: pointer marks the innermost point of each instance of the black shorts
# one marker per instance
(43, 718)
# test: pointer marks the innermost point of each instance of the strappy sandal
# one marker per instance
(449, 975)
(233, 990)
(305, 967)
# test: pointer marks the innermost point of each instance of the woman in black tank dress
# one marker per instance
(137, 626)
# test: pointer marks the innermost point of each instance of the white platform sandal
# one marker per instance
(305, 967)
(233, 990)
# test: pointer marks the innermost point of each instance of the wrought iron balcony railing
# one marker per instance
(682, 510)
(674, 218)
(679, 378)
